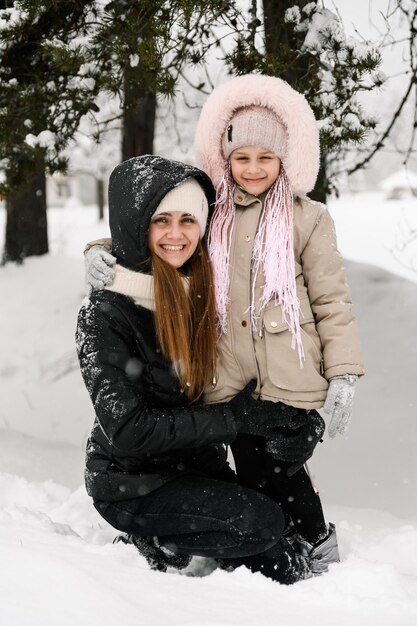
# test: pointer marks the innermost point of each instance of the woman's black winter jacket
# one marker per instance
(144, 433)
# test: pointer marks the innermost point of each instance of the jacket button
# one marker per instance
(274, 324)
(244, 323)
(247, 237)
(239, 198)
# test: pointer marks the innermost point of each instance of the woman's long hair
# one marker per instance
(185, 320)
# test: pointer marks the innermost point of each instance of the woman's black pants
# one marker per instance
(201, 516)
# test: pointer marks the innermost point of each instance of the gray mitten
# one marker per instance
(99, 267)
(339, 402)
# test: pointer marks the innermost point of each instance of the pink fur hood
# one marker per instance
(302, 158)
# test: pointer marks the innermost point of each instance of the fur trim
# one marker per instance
(302, 158)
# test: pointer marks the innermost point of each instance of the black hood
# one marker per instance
(136, 187)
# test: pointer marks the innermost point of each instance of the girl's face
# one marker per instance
(254, 169)
(174, 236)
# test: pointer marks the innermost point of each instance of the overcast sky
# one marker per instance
(367, 17)
(365, 14)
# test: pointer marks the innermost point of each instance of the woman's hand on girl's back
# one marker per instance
(99, 268)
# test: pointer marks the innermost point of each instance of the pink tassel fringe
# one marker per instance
(273, 255)
(219, 238)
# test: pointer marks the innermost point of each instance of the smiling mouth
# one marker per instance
(170, 248)
(254, 180)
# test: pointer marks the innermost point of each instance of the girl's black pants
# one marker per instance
(296, 496)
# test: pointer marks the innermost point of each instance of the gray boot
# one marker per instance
(321, 554)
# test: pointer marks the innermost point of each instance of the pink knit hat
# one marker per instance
(255, 126)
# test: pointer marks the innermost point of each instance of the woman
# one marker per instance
(156, 465)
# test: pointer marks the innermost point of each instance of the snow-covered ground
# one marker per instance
(58, 563)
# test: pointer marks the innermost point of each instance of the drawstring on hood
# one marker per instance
(219, 239)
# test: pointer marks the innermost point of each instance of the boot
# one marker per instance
(321, 554)
(158, 557)
(290, 566)
(281, 563)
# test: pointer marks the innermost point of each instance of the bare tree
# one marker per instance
(406, 11)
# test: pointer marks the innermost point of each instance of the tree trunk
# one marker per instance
(26, 226)
(100, 197)
(279, 36)
(318, 194)
(138, 117)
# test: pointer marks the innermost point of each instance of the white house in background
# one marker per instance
(402, 184)
(66, 189)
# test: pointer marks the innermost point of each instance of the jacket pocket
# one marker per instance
(282, 362)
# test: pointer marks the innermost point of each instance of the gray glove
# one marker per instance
(99, 268)
(339, 401)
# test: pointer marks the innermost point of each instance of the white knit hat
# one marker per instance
(187, 197)
(255, 126)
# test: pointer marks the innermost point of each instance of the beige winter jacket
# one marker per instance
(329, 329)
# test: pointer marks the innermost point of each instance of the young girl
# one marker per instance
(283, 304)
(155, 466)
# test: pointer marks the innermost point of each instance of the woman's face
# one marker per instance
(174, 236)
(254, 169)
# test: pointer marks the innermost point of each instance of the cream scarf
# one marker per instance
(134, 284)
(137, 286)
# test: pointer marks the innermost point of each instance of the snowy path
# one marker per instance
(61, 568)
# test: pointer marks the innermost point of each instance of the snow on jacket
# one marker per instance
(144, 432)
